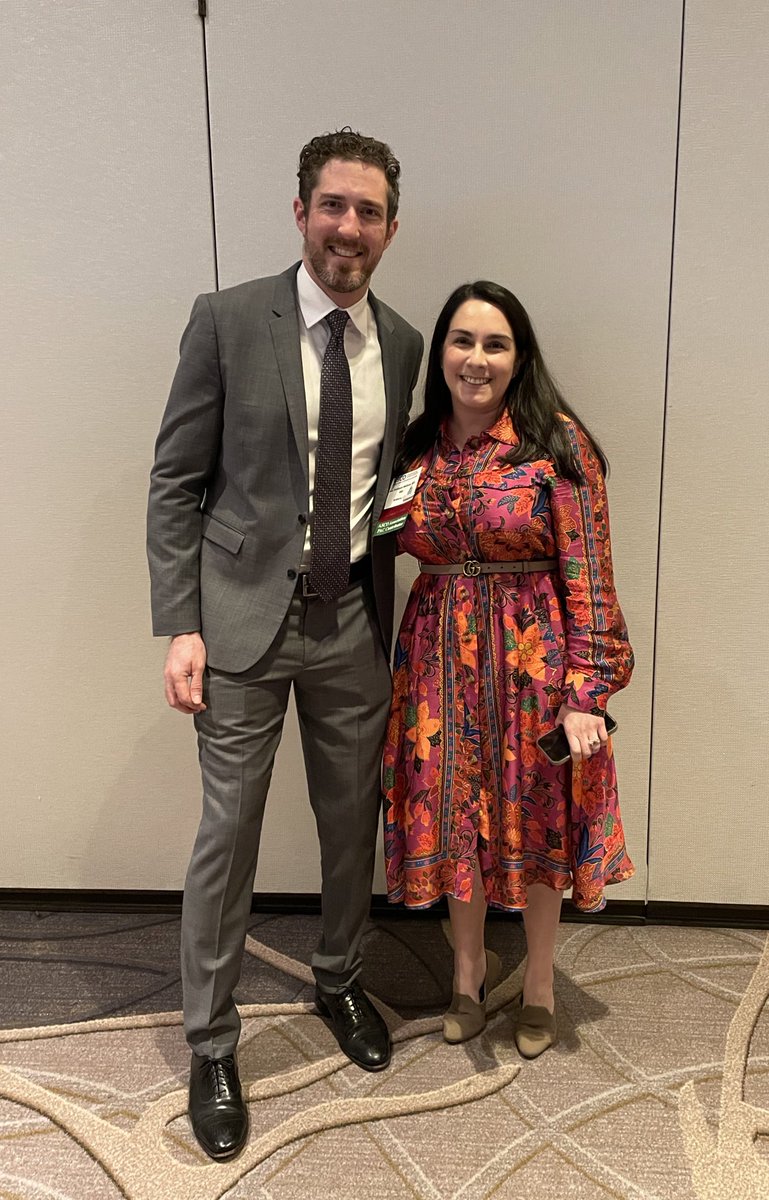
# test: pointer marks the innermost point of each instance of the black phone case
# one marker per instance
(555, 744)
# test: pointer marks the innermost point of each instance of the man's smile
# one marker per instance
(345, 251)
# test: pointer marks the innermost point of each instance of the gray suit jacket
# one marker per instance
(229, 494)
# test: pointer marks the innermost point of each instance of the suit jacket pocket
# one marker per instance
(222, 535)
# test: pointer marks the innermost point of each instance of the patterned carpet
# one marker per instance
(657, 1090)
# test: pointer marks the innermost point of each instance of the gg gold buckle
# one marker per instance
(471, 567)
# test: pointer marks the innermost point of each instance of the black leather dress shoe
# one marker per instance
(358, 1027)
(218, 1115)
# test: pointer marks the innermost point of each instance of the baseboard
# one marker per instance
(732, 916)
(90, 900)
(617, 912)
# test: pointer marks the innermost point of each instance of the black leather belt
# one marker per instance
(359, 571)
(471, 567)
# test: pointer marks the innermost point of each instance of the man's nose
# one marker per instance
(348, 223)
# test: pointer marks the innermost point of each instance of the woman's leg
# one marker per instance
(467, 921)
(540, 921)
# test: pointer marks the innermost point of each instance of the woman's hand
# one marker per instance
(585, 732)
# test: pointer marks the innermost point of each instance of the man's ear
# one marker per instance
(300, 216)
(391, 232)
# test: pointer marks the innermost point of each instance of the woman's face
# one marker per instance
(478, 359)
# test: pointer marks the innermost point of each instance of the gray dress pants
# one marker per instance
(332, 654)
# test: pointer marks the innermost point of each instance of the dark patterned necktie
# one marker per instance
(330, 569)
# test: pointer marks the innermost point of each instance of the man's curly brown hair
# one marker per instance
(348, 146)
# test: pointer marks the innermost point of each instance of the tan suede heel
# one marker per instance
(466, 1018)
(535, 1030)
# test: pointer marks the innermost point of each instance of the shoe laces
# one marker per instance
(219, 1076)
(353, 1004)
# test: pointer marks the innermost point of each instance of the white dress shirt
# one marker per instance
(361, 344)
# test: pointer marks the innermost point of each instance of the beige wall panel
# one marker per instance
(105, 237)
(709, 832)
(538, 147)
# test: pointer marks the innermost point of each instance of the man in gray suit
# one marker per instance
(272, 466)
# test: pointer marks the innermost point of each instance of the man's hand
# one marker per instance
(183, 673)
(585, 732)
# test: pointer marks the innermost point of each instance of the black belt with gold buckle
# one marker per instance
(472, 567)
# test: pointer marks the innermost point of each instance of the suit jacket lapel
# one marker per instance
(393, 399)
(284, 328)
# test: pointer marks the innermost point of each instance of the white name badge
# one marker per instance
(398, 503)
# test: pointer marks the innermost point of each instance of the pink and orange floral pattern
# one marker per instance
(482, 666)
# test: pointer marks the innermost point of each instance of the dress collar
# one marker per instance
(501, 431)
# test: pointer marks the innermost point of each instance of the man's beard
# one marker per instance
(338, 281)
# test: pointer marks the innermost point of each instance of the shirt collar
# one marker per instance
(314, 304)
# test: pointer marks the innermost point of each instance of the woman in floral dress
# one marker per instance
(512, 627)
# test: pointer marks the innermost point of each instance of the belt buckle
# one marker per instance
(471, 567)
(308, 593)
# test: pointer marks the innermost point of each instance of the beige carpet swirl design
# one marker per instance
(658, 1089)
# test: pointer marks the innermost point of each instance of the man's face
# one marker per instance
(345, 228)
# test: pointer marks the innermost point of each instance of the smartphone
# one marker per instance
(555, 744)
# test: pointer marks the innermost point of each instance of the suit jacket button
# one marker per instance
(302, 519)
(291, 573)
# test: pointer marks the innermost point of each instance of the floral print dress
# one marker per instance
(482, 666)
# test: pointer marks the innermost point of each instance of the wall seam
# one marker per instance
(204, 31)
(662, 454)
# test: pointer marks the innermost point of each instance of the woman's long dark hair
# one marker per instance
(533, 399)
